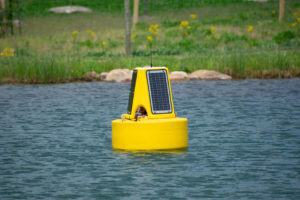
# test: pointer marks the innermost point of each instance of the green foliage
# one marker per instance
(142, 26)
(29, 7)
(173, 33)
(87, 43)
(284, 36)
(167, 23)
(228, 37)
(205, 32)
(243, 16)
(216, 40)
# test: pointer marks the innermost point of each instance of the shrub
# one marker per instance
(284, 36)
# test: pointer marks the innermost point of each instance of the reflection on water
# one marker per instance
(151, 152)
(244, 143)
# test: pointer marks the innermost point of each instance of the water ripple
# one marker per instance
(244, 143)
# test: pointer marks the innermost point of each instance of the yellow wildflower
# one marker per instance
(294, 24)
(183, 24)
(153, 29)
(193, 16)
(103, 43)
(189, 27)
(250, 28)
(298, 19)
(8, 52)
(74, 32)
(212, 29)
(268, 33)
(133, 36)
(150, 38)
(273, 12)
(92, 33)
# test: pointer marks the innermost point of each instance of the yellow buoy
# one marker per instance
(150, 122)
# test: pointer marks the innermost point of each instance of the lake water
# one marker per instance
(244, 143)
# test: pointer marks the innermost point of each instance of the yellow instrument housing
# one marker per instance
(156, 131)
(150, 134)
(142, 97)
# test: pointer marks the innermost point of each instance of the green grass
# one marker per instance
(47, 52)
(40, 7)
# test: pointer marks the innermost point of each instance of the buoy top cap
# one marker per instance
(149, 68)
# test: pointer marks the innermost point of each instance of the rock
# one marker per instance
(17, 23)
(178, 76)
(209, 75)
(92, 76)
(287, 75)
(70, 9)
(103, 75)
(193, 77)
(119, 75)
(266, 74)
(8, 81)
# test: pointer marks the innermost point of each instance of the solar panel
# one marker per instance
(159, 91)
(131, 93)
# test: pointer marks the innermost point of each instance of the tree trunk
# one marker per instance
(135, 13)
(10, 16)
(127, 27)
(281, 9)
(146, 3)
(3, 14)
(19, 17)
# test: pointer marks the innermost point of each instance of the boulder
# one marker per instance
(193, 77)
(103, 75)
(119, 75)
(178, 76)
(70, 9)
(17, 23)
(208, 75)
(92, 76)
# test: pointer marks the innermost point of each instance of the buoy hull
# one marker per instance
(150, 134)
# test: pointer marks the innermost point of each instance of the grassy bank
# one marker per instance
(247, 42)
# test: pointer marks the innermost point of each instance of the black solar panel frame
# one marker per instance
(131, 93)
(168, 90)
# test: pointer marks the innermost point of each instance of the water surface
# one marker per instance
(244, 143)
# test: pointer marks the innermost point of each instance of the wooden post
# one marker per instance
(3, 13)
(281, 9)
(127, 27)
(135, 13)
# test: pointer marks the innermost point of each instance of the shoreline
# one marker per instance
(84, 79)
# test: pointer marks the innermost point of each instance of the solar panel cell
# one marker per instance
(131, 94)
(159, 91)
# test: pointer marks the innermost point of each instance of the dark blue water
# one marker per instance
(244, 143)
